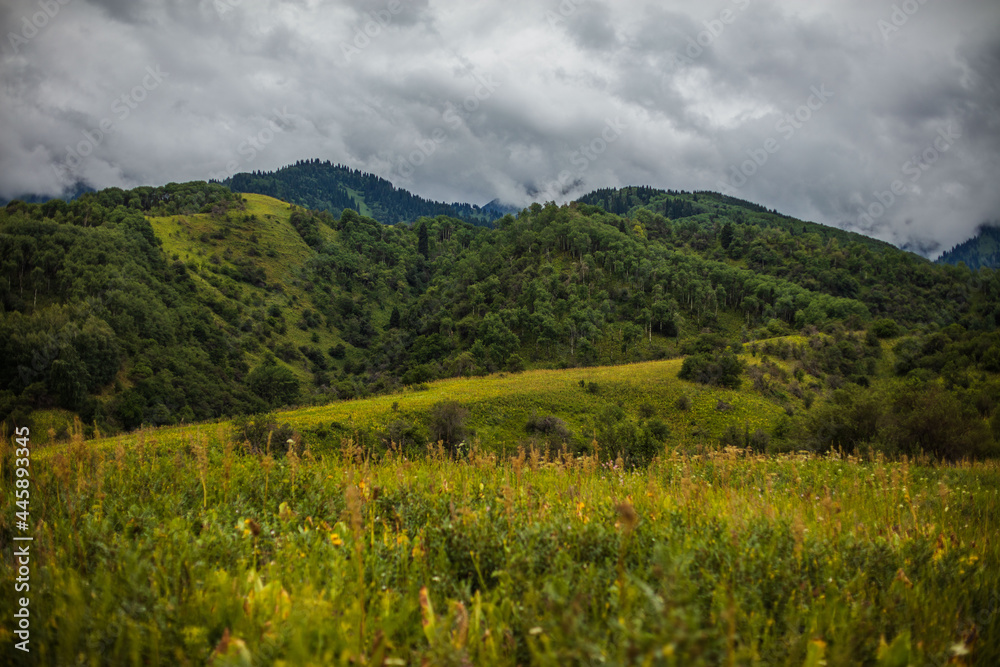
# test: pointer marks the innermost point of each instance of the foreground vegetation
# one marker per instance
(178, 547)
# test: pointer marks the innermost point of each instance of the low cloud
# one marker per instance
(396, 87)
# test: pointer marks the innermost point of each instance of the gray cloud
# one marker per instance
(476, 100)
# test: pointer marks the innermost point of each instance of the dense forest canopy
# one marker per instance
(162, 305)
(981, 251)
(324, 186)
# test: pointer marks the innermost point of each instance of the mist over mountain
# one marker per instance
(849, 113)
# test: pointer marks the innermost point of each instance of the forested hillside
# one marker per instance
(982, 250)
(323, 186)
(181, 303)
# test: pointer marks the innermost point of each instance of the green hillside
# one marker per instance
(287, 437)
(323, 186)
(186, 303)
(677, 204)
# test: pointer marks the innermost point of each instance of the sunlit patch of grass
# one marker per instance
(261, 234)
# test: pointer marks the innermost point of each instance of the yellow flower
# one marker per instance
(335, 538)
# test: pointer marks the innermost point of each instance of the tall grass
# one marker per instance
(152, 552)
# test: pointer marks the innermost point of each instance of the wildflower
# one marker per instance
(335, 538)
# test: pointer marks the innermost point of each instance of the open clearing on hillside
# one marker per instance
(500, 406)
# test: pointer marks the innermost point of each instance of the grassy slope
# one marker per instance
(182, 238)
(500, 405)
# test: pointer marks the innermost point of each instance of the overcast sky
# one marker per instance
(875, 116)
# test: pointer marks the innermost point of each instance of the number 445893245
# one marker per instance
(22, 461)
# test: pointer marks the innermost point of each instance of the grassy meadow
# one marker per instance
(500, 405)
(177, 547)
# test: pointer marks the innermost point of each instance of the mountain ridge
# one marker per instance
(980, 251)
(189, 302)
(323, 185)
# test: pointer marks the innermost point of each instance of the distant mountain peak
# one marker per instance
(981, 251)
(501, 209)
(70, 194)
(325, 186)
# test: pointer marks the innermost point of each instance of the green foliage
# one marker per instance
(721, 370)
(906, 418)
(273, 383)
(423, 240)
(447, 423)
(128, 321)
(885, 328)
(90, 304)
(981, 251)
(404, 435)
(726, 236)
(323, 186)
(198, 556)
(261, 434)
(553, 429)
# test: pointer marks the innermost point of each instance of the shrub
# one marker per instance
(275, 384)
(723, 370)
(625, 439)
(658, 429)
(552, 428)
(758, 441)
(704, 343)
(255, 429)
(404, 434)
(905, 419)
(930, 419)
(732, 436)
(885, 328)
(515, 364)
(448, 423)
